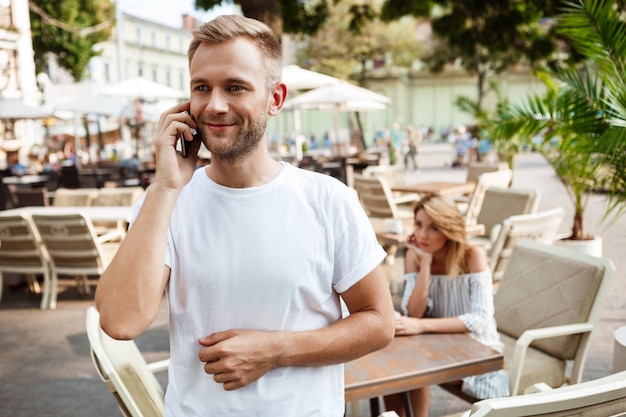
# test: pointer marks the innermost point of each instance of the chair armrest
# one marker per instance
(538, 387)
(159, 366)
(555, 331)
(521, 346)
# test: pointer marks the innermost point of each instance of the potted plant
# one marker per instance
(579, 124)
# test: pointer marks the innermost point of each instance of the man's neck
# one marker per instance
(258, 169)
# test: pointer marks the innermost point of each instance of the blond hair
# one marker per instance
(448, 219)
(229, 27)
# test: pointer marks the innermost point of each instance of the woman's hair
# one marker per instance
(229, 27)
(448, 219)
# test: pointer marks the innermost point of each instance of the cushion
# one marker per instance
(539, 290)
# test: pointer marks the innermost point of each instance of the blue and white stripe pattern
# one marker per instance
(470, 298)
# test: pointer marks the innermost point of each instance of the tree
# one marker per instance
(341, 46)
(487, 36)
(68, 29)
(292, 16)
(582, 117)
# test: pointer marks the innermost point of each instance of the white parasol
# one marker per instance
(298, 78)
(14, 109)
(143, 89)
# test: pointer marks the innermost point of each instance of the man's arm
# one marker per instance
(131, 288)
(237, 358)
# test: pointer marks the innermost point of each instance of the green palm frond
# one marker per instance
(582, 116)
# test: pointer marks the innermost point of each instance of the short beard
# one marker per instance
(243, 144)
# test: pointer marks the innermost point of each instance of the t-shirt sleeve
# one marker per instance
(356, 250)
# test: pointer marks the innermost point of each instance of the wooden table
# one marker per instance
(95, 213)
(436, 187)
(411, 362)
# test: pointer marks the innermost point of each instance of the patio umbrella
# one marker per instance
(342, 96)
(339, 97)
(140, 88)
(99, 105)
(95, 105)
(298, 78)
(14, 109)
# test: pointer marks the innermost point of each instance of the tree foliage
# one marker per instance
(290, 16)
(68, 29)
(582, 117)
(487, 36)
(340, 46)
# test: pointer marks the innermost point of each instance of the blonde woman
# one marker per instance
(448, 289)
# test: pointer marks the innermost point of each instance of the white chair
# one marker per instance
(471, 207)
(378, 201)
(601, 397)
(125, 372)
(115, 196)
(476, 169)
(498, 205)
(79, 197)
(21, 252)
(74, 249)
(541, 227)
(546, 308)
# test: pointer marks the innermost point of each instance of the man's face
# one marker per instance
(229, 99)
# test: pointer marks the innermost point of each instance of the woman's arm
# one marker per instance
(417, 261)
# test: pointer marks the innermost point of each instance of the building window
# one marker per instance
(167, 42)
(155, 77)
(138, 35)
(153, 39)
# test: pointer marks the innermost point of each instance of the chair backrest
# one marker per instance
(72, 243)
(21, 250)
(118, 196)
(501, 203)
(376, 197)
(604, 396)
(499, 179)
(124, 370)
(541, 227)
(476, 169)
(545, 286)
(25, 197)
(80, 197)
(393, 174)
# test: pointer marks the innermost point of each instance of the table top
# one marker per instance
(26, 180)
(411, 362)
(436, 187)
(95, 213)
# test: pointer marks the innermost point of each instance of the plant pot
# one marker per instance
(590, 247)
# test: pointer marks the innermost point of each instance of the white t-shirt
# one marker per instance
(270, 258)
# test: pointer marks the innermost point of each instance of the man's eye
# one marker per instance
(202, 88)
(235, 88)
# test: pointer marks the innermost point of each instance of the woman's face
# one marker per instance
(427, 236)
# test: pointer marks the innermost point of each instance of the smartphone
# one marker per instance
(184, 145)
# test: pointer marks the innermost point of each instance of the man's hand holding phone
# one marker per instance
(172, 170)
(185, 145)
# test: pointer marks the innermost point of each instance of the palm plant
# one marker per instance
(581, 119)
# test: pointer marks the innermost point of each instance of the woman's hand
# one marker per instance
(407, 326)
(426, 257)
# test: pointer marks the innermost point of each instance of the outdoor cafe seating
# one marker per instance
(547, 307)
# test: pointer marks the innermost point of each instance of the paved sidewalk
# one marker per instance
(46, 371)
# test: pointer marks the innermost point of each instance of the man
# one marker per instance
(254, 253)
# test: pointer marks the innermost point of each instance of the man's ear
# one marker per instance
(277, 99)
